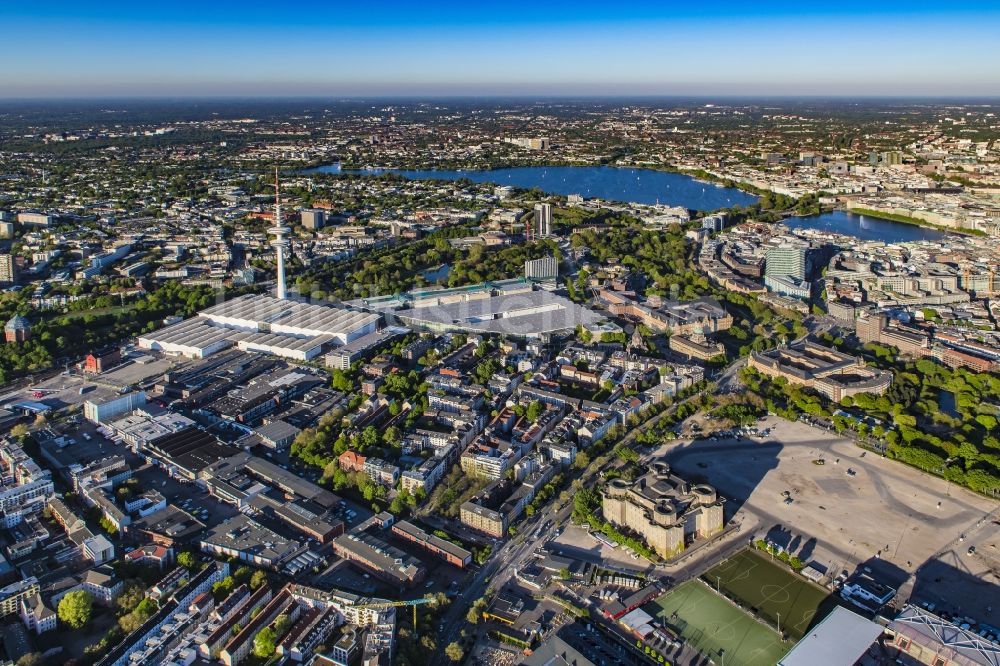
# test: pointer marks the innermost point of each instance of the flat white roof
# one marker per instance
(288, 316)
(192, 333)
(839, 640)
(525, 313)
(274, 341)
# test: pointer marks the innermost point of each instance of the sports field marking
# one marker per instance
(770, 590)
(710, 623)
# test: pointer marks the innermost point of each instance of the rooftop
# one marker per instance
(841, 638)
(245, 535)
(527, 313)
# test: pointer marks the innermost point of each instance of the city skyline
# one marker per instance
(718, 48)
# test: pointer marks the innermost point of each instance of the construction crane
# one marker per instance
(394, 604)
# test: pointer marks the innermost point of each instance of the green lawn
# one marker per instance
(712, 624)
(768, 588)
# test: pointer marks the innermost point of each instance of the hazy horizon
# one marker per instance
(586, 48)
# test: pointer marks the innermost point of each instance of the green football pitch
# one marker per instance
(717, 628)
(771, 591)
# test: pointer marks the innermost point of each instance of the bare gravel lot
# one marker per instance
(881, 513)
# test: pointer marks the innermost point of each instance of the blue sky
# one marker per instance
(332, 48)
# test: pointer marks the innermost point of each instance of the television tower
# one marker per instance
(279, 243)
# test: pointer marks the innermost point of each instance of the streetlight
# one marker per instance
(779, 625)
(717, 585)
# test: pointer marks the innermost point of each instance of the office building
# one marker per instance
(834, 374)
(789, 285)
(106, 406)
(313, 218)
(786, 260)
(876, 327)
(714, 223)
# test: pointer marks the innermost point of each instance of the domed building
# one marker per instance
(17, 329)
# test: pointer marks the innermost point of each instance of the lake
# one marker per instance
(646, 186)
(649, 186)
(864, 227)
(435, 274)
(947, 404)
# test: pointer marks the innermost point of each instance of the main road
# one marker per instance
(515, 552)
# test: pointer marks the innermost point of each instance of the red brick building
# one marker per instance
(102, 360)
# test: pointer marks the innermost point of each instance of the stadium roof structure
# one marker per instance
(959, 646)
(523, 314)
(839, 640)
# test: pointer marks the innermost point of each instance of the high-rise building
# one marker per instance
(546, 268)
(786, 260)
(543, 219)
(313, 218)
(715, 222)
(8, 269)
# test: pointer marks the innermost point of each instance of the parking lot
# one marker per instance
(577, 542)
(186, 495)
(57, 392)
(852, 508)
